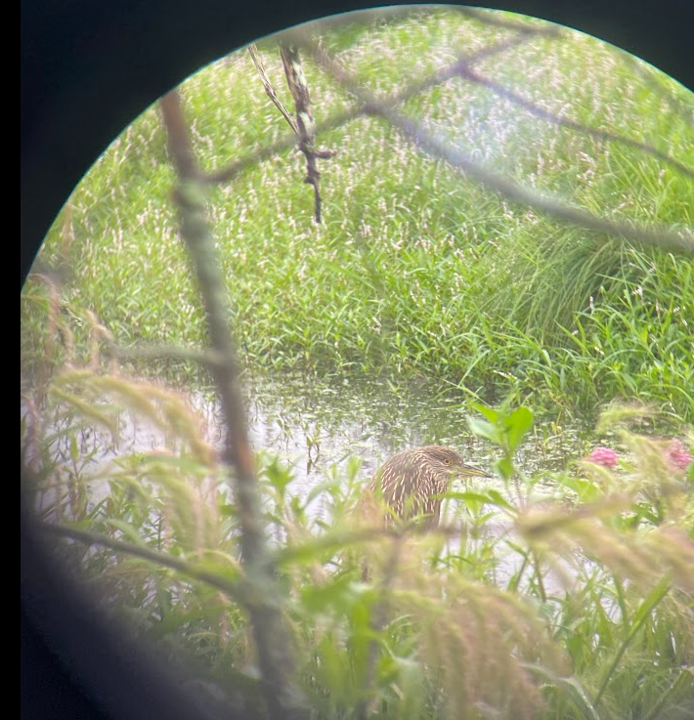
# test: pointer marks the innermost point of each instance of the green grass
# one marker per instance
(561, 600)
(561, 596)
(415, 269)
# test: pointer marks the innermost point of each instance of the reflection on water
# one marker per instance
(314, 424)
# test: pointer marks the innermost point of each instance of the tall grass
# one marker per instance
(555, 596)
(569, 599)
(414, 269)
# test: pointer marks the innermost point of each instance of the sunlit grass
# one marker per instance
(563, 595)
(549, 595)
(413, 270)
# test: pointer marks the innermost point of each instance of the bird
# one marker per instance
(411, 484)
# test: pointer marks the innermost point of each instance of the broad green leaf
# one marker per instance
(518, 424)
(482, 428)
(491, 414)
(505, 467)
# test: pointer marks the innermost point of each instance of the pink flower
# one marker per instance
(603, 456)
(677, 455)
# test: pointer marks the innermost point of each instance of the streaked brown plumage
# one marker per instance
(412, 482)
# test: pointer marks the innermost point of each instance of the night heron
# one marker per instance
(411, 484)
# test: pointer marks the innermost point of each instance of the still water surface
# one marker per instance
(313, 424)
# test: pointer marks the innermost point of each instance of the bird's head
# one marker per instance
(448, 459)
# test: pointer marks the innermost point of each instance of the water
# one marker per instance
(313, 424)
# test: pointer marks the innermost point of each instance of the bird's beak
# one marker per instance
(470, 471)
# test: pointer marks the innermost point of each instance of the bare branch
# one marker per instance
(235, 590)
(270, 632)
(180, 149)
(492, 19)
(464, 71)
(648, 75)
(265, 152)
(305, 126)
(462, 67)
(166, 352)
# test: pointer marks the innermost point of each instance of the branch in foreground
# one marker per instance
(166, 352)
(648, 75)
(661, 237)
(271, 635)
(235, 590)
(533, 109)
(492, 19)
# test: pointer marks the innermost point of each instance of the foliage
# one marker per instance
(563, 597)
(414, 270)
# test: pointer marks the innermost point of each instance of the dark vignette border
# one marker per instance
(87, 70)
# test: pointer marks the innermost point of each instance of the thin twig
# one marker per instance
(269, 88)
(492, 19)
(305, 125)
(154, 351)
(462, 67)
(556, 119)
(272, 638)
(265, 152)
(238, 591)
(650, 78)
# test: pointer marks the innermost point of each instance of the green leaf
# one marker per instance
(128, 530)
(74, 450)
(278, 476)
(586, 490)
(491, 414)
(315, 549)
(518, 423)
(335, 594)
(496, 498)
(572, 690)
(482, 428)
(640, 616)
(468, 496)
(505, 467)
(319, 489)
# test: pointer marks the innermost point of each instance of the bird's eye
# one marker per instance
(447, 461)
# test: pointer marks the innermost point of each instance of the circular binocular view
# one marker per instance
(358, 376)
